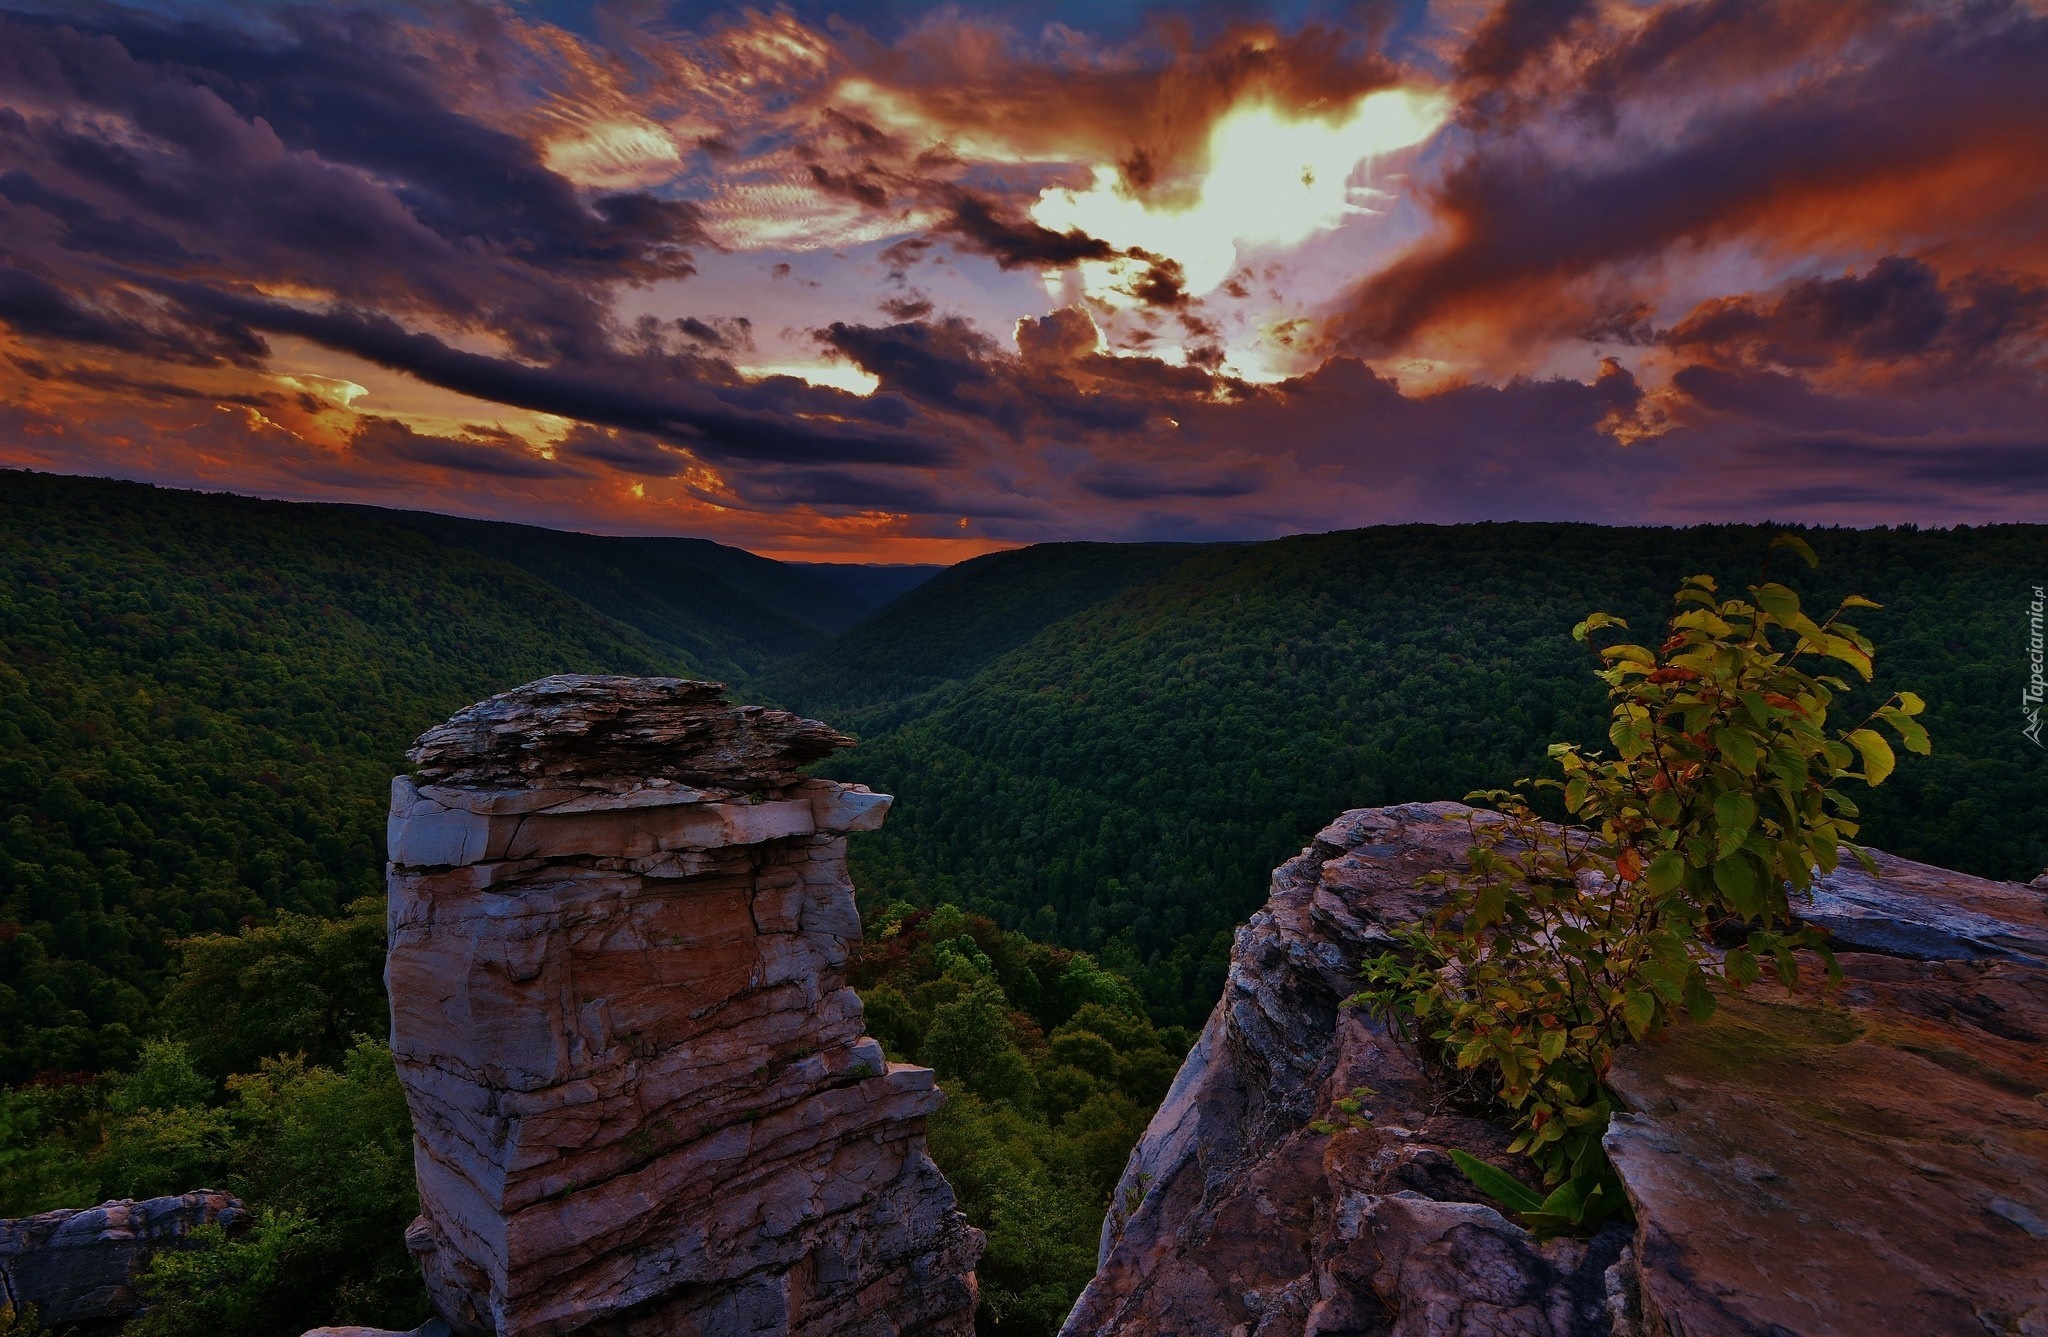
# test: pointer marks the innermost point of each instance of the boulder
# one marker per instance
(79, 1267)
(641, 1095)
(1868, 1160)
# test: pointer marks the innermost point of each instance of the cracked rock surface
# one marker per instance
(641, 1096)
(1869, 1161)
(78, 1268)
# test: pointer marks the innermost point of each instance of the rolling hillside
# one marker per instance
(1123, 778)
(953, 625)
(203, 698)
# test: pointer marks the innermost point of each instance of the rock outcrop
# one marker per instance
(1868, 1161)
(642, 1100)
(78, 1268)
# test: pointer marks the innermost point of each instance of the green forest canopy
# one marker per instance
(1099, 751)
(1124, 778)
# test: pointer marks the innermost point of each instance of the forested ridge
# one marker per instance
(1099, 751)
(1124, 779)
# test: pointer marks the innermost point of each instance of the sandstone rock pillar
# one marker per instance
(641, 1098)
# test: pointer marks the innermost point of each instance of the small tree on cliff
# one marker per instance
(1716, 809)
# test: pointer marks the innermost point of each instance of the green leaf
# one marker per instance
(1699, 999)
(1739, 746)
(1666, 871)
(1565, 1202)
(1911, 732)
(1496, 1183)
(1736, 879)
(1794, 543)
(1595, 622)
(1911, 703)
(1742, 966)
(1781, 603)
(1734, 815)
(1877, 755)
(1638, 1009)
(1551, 1045)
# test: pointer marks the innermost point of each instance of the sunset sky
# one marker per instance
(898, 282)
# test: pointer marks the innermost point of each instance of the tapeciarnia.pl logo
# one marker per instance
(2037, 686)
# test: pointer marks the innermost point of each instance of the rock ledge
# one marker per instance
(1871, 1161)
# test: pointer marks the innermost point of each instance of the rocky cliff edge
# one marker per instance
(1873, 1160)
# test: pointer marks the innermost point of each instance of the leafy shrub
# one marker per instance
(303, 985)
(1717, 808)
(323, 1155)
(1031, 1142)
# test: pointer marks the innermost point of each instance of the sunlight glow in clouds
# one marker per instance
(1271, 180)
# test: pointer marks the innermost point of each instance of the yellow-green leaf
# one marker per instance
(1638, 1009)
(1595, 622)
(1911, 732)
(1794, 543)
(1877, 755)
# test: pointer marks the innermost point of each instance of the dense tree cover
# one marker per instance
(1051, 1069)
(950, 627)
(202, 701)
(725, 611)
(285, 1101)
(873, 583)
(262, 1079)
(1125, 779)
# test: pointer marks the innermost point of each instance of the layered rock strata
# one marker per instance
(1869, 1161)
(642, 1100)
(78, 1268)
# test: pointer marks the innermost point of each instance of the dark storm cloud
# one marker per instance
(941, 363)
(320, 156)
(738, 421)
(1944, 90)
(1898, 310)
(1013, 241)
(1516, 33)
(36, 308)
(633, 453)
(838, 488)
(357, 86)
(1124, 482)
(495, 455)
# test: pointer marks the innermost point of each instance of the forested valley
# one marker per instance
(1098, 752)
